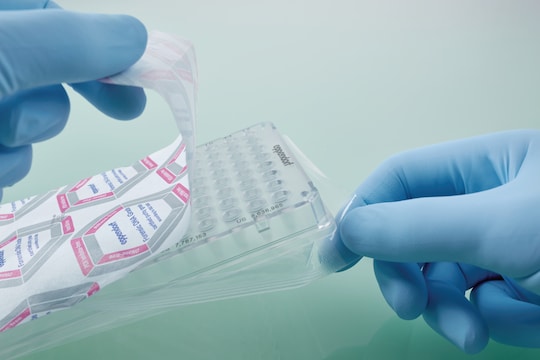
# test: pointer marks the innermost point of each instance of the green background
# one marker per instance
(351, 82)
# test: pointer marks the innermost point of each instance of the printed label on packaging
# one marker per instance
(106, 225)
(128, 233)
(16, 317)
(175, 167)
(102, 187)
(21, 252)
(45, 303)
(16, 209)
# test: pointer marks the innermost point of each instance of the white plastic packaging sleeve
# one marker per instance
(61, 247)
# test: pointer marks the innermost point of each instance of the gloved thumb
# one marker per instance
(40, 48)
(471, 228)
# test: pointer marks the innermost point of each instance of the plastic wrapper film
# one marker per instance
(141, 239)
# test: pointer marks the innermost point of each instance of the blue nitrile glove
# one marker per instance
(450, 217)
(43, 46)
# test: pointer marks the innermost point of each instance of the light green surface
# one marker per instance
(351, 82)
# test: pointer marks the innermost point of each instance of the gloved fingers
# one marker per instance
(424, 229)
(510, 320)
(451, 168)
(448, 312)
(462, 276)
(520, 289)
(333, 253)
(14, 164)
(116, 101)
(49, 47)
(432, 224)
(119, 102)
(403, 287)
(33, 115)
(452, 316)
(335, 256)
(27, 4)
(454, 228)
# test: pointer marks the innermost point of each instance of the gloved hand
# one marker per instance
(450, 217)
(43, 46)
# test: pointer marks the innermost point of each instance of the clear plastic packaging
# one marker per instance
(257, 225)
(62, 247)
(257, 221)
(231, 217)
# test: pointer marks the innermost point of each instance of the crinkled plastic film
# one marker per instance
(232, 217)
